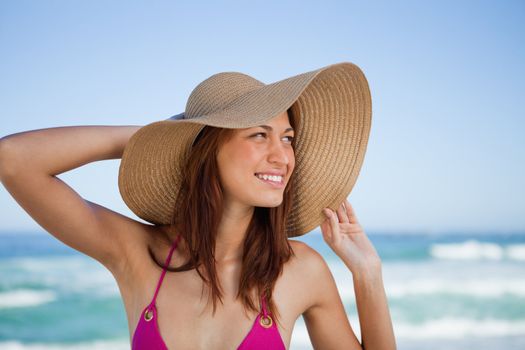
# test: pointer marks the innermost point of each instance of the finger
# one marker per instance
(341, 213)
(325, 230)
(350, 212)
(334, 225)
(327, 225)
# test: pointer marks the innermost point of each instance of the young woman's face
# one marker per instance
(257, 150)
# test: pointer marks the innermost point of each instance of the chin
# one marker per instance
(269, 203)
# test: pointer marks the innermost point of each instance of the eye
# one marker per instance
(263, 133)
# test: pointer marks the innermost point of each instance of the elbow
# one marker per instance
(8, 158)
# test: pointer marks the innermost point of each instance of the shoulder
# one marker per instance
(323, 310)
(313, 270)
(309, 258)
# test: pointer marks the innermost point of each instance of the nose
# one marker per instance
(278, 153)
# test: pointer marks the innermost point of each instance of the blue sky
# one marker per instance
(446, 149)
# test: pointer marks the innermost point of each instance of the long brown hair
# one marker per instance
(197, 215)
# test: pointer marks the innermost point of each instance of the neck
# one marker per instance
(231, 233)
(230, 236)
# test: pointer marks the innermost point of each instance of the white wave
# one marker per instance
(475, 288)
(478, 288)
(25, 298)
(475, 250)
(46, 263)
(516, 252)
(443, 328)
(78, 275)
(405, 279)
(469, 250)
(95, 345)
(456, 328)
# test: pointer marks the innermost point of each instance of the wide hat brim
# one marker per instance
(332, 108)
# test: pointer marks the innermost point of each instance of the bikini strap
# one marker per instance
(166, 264)
(265, 320)
(263, 302)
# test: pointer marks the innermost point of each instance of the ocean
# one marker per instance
(445, 291)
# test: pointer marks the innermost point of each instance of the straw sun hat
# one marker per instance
(332, 109)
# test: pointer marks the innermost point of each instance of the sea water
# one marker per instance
(445, 291)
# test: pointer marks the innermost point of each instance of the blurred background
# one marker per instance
(440, 193)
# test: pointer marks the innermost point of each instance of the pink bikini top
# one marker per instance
(264, 333)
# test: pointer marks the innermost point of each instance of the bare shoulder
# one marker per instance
(323, 311)
(309, 268)
(310, 260)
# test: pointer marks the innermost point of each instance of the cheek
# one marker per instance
(237, 164)
(246, 158)
(291, 157)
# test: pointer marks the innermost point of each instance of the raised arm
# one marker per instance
(343, 233)
(326, 319)
(29, 163)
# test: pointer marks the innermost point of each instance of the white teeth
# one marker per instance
(274, 178)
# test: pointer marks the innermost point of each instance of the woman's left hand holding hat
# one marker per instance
(343, 233)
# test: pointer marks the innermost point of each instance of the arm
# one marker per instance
(326, 319)
(29, 163)
(372, 307)
(63, 148)
(343, 233)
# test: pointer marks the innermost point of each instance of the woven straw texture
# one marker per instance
(332, 107)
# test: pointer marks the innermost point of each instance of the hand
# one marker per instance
(343, 233)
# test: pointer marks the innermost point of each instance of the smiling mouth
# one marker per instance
(272, 183)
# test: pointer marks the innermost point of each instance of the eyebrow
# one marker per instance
(268, 127)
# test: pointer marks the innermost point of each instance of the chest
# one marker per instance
(185, 317)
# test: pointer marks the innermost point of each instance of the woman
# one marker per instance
(225, 183)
